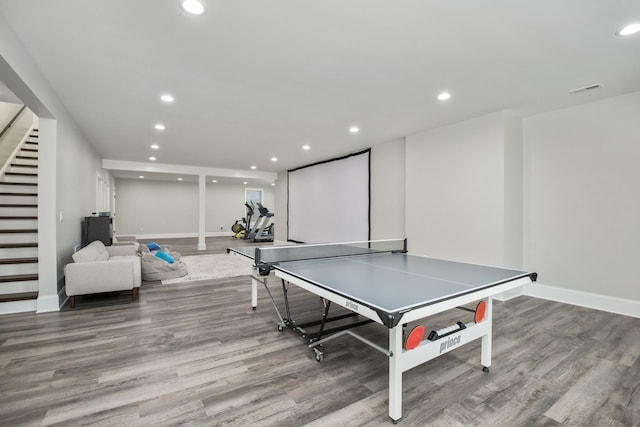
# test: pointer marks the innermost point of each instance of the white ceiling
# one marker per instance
(257, 79)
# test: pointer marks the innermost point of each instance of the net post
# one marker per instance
(257, 256)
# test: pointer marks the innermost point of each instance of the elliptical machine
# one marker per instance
(262, 231)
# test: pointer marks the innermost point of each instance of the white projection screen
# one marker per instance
(329, 201)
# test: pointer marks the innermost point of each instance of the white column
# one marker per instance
(47, 218)
(202, 181)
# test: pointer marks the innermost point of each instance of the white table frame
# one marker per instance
(401, 360)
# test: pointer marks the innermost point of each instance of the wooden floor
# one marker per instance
(195, 354)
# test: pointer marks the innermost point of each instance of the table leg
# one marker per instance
(485, 357)
(395, 373)
(254, 289)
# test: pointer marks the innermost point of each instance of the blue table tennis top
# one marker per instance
(395, 282)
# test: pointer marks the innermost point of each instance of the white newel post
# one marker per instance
(47, 219)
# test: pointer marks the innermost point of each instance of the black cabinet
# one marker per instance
(97, 228)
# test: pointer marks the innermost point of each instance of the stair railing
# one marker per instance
(10, 148)
(6, 128)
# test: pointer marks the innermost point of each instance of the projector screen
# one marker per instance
(329, 201)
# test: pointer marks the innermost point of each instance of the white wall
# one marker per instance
(156, 207)
(582, 196)
(147, 208)
(456, 194)
(388, 190)
(513, 189)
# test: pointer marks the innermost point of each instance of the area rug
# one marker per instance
(205, 267)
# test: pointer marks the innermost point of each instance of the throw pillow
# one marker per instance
(165, 256)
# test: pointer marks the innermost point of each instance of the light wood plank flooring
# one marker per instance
(195, 354)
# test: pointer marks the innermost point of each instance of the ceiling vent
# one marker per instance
(584, 89)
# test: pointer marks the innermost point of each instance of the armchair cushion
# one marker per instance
(94, 251)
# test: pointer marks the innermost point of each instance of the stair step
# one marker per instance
(18, 245)
(21, 174)
(9, 218)
(17, 205)
(27, 170)
(8, 288)
(19, 237)
(32, 184)
(18, 278)
(18, 252)
(21, 211)
(18, 224)
(26, 306)
(18, 199)
(19, 261)
(24, 161)
(29, 230)
(31, 150)
(10, 268)
(33, 155)
(18, 194)
(18, 297)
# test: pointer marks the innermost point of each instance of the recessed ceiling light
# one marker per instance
(306, 147)
(444, 96)
(214, 181)
(155, 146)
(245, 182)
(141, 177)
(274, 159)
(179, 179)
(153, 159)
(253, 167)
(628, 30)
(193, 7)
(354, 129)
(166, 98)
(273, 183)
(159, 126)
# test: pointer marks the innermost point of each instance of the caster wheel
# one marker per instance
(254, 308)
(280, 328)
(319, 353)
(485, 369)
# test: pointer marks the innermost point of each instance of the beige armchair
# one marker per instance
(97, 268)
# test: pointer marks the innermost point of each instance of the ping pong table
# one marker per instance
(379, 282)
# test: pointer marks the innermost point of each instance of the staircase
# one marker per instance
(19, 230)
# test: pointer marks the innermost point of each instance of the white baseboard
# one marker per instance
(611, 304)
(505, 296)
(47, 303)
(181, 235)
